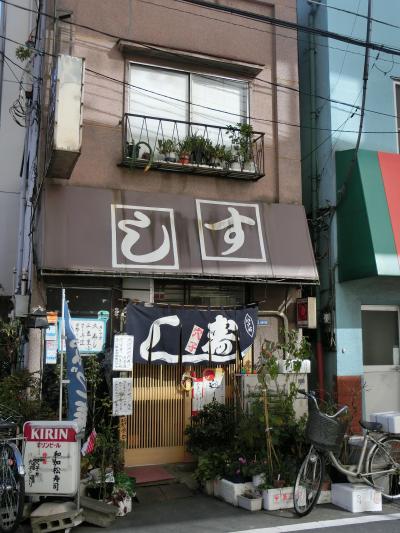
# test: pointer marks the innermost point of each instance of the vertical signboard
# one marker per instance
(51, 458)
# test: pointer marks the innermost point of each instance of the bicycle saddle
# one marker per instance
(371, 426)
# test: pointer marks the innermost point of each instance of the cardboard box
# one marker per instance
(356, 498)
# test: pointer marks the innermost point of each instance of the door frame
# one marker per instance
(369, 369)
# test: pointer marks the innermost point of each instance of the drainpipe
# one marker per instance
(315, 196)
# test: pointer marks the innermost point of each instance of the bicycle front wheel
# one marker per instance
(12, 491)
(308, 482)
(384, 467)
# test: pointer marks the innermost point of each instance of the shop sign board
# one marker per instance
(123, 353)
(90, 332)
(51, 339)
(51, 458)
(143, 232)
(122, 396)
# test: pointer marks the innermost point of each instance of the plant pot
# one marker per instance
(251, 504)
(208, 487)
(258, 479)
(275, 499)
(235, 166)
(124, 506)
(288, 366)
(170, 157)
(249, 166)
(229, 491)
(184, 159)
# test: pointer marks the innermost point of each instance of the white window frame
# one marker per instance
(381, 368)
(189, 74)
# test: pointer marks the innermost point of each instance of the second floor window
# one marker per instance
(186, 97)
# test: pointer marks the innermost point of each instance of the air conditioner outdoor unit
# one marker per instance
(64, 132)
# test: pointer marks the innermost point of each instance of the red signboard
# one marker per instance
(49, 434)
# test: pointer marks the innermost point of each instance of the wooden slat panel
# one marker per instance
(161, 411)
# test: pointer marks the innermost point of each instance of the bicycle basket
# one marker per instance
(324, 433)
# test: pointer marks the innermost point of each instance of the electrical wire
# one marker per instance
(360, 15)
(275, 84)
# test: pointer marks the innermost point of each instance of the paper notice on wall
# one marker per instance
(197, 395)
(123, 353)
(204, 390)
(122, 396)
(215, 389)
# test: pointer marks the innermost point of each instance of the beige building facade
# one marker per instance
(189, 132)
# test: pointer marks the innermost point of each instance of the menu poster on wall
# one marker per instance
(123, 353)
(90, 332)
(122, 398)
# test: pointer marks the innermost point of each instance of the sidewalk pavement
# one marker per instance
(179, 510)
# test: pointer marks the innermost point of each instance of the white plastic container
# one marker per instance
(325, 497)
(250, 504)
(275, 499)
(229, 491)
(287, 366)
(356, 498)
(390, 421)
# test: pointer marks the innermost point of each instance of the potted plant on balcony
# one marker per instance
(168, 148)
(184, 150)
(228, 158)
(241, 137)
(217, 155)
(202, 150)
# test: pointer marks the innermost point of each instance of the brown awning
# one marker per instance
(108, 231)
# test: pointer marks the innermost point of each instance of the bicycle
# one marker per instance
(12, 473)
(378, 464)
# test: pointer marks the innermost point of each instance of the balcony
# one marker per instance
(193, 148)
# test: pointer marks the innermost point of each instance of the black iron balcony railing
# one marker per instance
(191, 147)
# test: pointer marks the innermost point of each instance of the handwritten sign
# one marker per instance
(90, 332)
(51, 458)
(122, 396)
(123, 353)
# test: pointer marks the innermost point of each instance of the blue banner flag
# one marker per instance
(77, 390)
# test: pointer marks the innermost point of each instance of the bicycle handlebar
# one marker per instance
(311, 396)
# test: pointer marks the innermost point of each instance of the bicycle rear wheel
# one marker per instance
(384, 465)
(308, 482)
(12, 491)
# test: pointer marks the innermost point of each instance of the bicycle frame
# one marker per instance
(363, 456)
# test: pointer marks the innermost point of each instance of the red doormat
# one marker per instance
(149, 475)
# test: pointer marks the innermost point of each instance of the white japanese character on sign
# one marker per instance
(143, 237)
(221, 336)
(234, 235)
(237, 225)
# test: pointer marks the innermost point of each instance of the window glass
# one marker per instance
(165, 94)
(380, 334)
(170, 102)
(197, 293)
(397, 92)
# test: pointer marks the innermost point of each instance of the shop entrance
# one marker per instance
(380, 334)
(161, 409)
